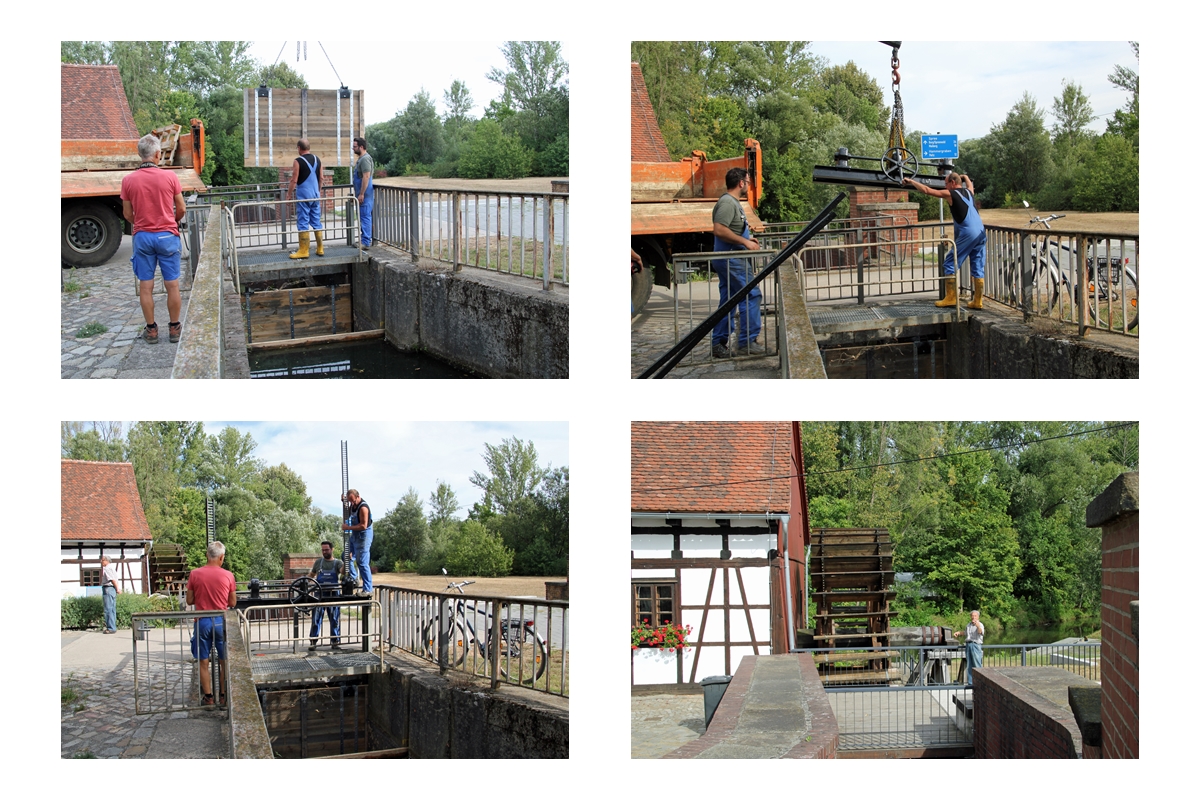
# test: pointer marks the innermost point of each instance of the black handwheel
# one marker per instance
(304, 590)
(523, 657)
(898, 163)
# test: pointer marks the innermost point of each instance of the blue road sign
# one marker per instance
(942, 146)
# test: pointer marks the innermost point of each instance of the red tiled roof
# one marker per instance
(667, 456)
(100, 502)
(646, 140)
(94, 105)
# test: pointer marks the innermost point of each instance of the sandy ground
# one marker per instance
(512, 586)
(1076, 221)
(528, 185)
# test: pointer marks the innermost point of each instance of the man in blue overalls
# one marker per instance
(364, 189)
(732, 232)
(358, 528)
(327, 570)
(306, 185)
(969, 236)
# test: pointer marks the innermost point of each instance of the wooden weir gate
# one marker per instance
(851, 574)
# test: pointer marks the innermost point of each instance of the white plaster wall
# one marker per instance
(650, 546)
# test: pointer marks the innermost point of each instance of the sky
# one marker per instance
(389, 82)
(966, 88)
(385, 459)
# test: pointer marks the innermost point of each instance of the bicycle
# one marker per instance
(524, 653)
(1116, 281)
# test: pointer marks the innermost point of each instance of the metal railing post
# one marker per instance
(414, 223)
(494, 651)
(443, 632)
(548, 234)
(859, 263)
(455, 232)
(1082, 282)
(1026, 247)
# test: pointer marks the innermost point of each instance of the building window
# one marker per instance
(89, 576)
(655, 602)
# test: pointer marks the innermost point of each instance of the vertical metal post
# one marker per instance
(548, 233)
(859, 259)
(414, 199)
(1027, 260)
(443, 632)
(455, 222)
(494, 651)
(365, 624)
(1082, 281)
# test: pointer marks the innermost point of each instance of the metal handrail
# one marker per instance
(409, 616)
(864, 282)
(445, 225)
(372, 637)
(174, 659)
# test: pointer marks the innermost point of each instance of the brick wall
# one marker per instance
(298, 564)
(876, 208)
(1115, 511)
(1011, 722)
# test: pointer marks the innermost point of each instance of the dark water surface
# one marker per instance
(372, 359)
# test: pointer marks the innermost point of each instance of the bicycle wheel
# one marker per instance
(456, 647)
(523, 655)
(1046, 290)
(1116, 300)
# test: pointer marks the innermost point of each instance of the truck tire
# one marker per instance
(640, 290)
(91, 234)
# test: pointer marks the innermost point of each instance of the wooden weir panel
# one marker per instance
(851, 573)
(276, 314)
(289, 114)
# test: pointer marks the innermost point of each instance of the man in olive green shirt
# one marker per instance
(364, 188)
(732, 232)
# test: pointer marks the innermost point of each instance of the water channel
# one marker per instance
(371, 359)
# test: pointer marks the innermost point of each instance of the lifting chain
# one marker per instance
(897, 162)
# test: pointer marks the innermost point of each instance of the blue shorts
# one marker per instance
(155, 247)
(208, 634)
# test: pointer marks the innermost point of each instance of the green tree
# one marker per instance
(854, 96)
(1073, 114)
(1125, 121)
(100, 443)
(536, 528)
(475, 551)
(228, 460)
(418, 134)
(491, 153)
(402, 535)
(443, 504)
(971, 556)
(1023, 150)
(458, 102)
(1109, 179)
(280, 76)
(513, 473)
(283, 486)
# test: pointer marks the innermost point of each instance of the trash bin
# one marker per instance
(715, 688)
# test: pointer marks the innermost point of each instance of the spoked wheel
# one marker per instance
(523, 654)
(457, 646)
(898, 163)
(304, 590)
(1046, 288)
(1112, 296)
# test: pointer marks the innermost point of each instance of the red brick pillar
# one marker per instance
(1115, 511)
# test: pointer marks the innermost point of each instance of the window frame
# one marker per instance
(84, 574)
(657, 615)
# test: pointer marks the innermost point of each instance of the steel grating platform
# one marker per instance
(831, 320)
(318, 665)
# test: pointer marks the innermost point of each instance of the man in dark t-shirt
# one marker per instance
(328, 571)
(732, 232)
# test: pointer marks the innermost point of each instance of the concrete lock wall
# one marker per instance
(499, 326)
(998, 347)
(455, 717)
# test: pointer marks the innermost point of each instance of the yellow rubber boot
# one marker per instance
(303, 252)
(320, 244)
(952, 294)
(977, 301)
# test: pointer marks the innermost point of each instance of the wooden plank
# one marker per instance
(353, 336)
(864, 656)
(386, 753)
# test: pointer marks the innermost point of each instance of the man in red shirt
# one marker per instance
(152, 201)
(211, 587)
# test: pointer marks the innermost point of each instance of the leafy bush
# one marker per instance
(476, 551)
(87, 611)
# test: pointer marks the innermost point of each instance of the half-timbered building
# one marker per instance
(717, 543)
(101, 515)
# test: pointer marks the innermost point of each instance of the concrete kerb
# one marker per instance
(802, 355)
(199, 354)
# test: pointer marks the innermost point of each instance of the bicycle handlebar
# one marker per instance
(1046, 220)
(459, 586)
